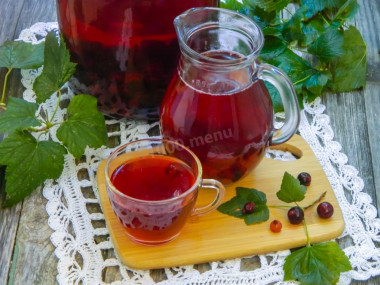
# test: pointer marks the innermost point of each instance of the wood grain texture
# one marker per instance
(368, 22)
(355, 115)
(26, 250)
(9, 15)
(34, 261)
(9, 218)
(8, 227)
(34, 11)
(216, 236)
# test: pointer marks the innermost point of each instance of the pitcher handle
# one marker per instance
(289, 99)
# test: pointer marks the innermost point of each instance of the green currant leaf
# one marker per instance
(19, 114)
(311, 31)
(275, 31)
(302, 74)
(317, 28)
(350, 70)
(328, 46)
(85, 126)
(318, 264)
(347, 10)
(261, 214)
(234, 206)
(231, 4)
(2, 182)
(273, 47)
(275, 97)
(19, 54)
(253, 195)
(300, 97)
(297, 68)
(291, 189)
(292, 29)
(29, 163)
(272, 5)
(315, 6)
(57, 68)
(307, 95)
(260, 16)
(316, 83)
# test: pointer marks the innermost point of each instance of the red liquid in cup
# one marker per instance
(126, 50)
(153, 178)
(228, 128)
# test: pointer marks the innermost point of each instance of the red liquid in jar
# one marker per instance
(153, 178)
(126, 50)
(227, 127)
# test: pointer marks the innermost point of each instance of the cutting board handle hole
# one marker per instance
(285, 148)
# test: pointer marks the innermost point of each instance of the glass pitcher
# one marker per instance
(217, 104)
(126, 50)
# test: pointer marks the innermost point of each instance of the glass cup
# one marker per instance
(153, 186)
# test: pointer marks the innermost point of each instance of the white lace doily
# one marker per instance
(80, 236)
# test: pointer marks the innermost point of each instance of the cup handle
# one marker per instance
(289, 99)
(220, 191)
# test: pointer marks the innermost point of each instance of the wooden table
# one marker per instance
(26, 253)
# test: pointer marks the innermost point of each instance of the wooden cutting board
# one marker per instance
(216, 236)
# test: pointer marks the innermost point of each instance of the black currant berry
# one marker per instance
(325, 210)
(295, 215)
(304, 178)
(248, 208)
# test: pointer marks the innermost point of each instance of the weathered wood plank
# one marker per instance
(348, 120)
(9, 218)
(34, 11)
(368, 21)
(355, 115)
(9, 11)
(33, 261)
(372, 99)
(8, 227)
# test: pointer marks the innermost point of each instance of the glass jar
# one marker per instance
(126, 50)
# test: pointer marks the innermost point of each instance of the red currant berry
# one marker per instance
(275, 226)
(248, 208)
(295, 215)
(304, 178)
(325, 210)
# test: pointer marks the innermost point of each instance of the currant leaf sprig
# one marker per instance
(319, 263)
(27, 159)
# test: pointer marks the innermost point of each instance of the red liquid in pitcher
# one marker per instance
(228, 128)
(153, 178)
(126, 50)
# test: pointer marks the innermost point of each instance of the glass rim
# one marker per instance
(222, 62)
(111, 186)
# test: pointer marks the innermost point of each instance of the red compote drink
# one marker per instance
(153, 178)
(126, 50)
(226, 125)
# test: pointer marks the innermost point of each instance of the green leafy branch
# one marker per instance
(313, 264)
(316, 46)
(320, 263)
(27, 159)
